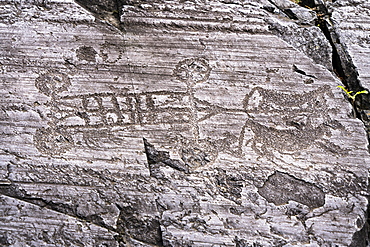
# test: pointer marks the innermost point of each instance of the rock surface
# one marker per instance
(351, 21)
(170, 123)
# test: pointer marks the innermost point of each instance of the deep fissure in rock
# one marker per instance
(346, 71)
(342, 62)
(108, 10)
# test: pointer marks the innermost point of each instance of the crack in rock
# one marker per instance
(146, 229)
(156, 159)
(345, 69)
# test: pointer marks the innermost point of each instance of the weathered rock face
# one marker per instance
(350, 19)
(197, 123)
(351, 41)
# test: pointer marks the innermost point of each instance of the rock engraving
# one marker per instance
(192, 70)
(52, 141)
(86, 53)
(301, 120)
(288, 107)
(120, 109)
(111, 52)
(52, 82)
(267, 139)
(293, 115)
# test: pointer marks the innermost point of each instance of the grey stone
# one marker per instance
(173, 124)
(281, 188)
(293, 11)
(297, 26)
(350, 19)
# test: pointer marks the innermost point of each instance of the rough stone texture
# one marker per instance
(351, 20)
(188, 124)
(296, 26)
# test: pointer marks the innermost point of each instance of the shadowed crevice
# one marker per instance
(157, 158)
(346, 71)
(107, 10)
(15, 192)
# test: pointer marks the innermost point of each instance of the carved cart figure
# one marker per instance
(301, 120)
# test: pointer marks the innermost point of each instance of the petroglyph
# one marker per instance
(266, 139)
(121, 109)
(86, 53)
(111, 52)
(102, 139)
(109, 109)
(192, 70)
(300, 120)
(287, 106)
(52, 141)
(52, 82)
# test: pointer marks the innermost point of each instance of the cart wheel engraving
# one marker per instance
(52, 141)
(52, 83)
(192, 70)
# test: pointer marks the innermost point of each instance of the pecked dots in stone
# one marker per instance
(52, 141)
(192, 70)
(86, 53)
(300, 121)
(285, 106)
(52, 83)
